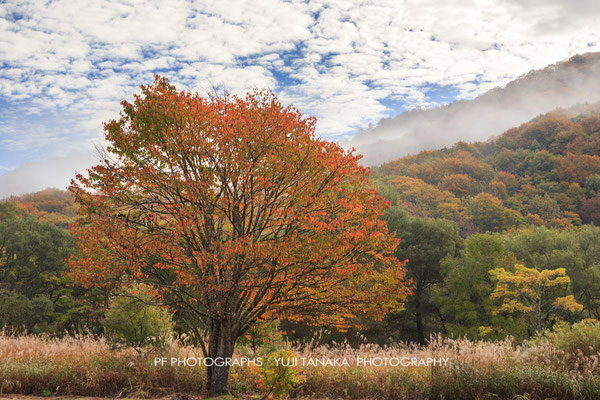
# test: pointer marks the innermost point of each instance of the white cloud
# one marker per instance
(73, 62)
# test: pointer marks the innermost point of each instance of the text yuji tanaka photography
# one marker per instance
(297, 199)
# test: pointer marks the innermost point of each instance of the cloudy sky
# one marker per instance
(65, 65)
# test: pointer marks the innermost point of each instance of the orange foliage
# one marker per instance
(489, 214)
(458, 184)
(233, 211)
(577, 167)
(49, 205)
(457, 163)
(590, 210)
(425, 200)
(510, 181)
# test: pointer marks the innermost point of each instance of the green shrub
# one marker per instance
(136, 322)
(583, 336)
(19, 312)
(278, 375)
(262, 338)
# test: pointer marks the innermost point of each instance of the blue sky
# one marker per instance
(66, 65)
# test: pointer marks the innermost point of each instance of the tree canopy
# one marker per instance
(232, 211)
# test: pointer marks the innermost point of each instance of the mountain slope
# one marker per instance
(560, 85)
(544, 172)
(49, 205)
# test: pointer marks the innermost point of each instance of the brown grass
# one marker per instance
(88, 366)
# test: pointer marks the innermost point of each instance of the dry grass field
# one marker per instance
(88, 366)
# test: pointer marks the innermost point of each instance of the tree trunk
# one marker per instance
(420, 330)
(539, 315)
(443, 321)
(221, 345)
(419, 316)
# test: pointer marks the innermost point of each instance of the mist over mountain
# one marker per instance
(573, 81)
(55, 172)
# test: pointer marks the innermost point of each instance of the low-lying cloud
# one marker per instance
(55, 172)
(560, 85)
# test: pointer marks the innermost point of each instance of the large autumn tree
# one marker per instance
(232, 211)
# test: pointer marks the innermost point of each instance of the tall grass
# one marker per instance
(477, 370)
(85, 365)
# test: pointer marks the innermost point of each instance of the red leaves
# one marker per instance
(225, 201)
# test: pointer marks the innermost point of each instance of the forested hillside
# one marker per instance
(545, 172)
(49, 205)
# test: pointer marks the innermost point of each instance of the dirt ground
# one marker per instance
(21, 397)
(172, 397)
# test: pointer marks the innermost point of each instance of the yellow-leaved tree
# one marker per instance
(533, 293)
